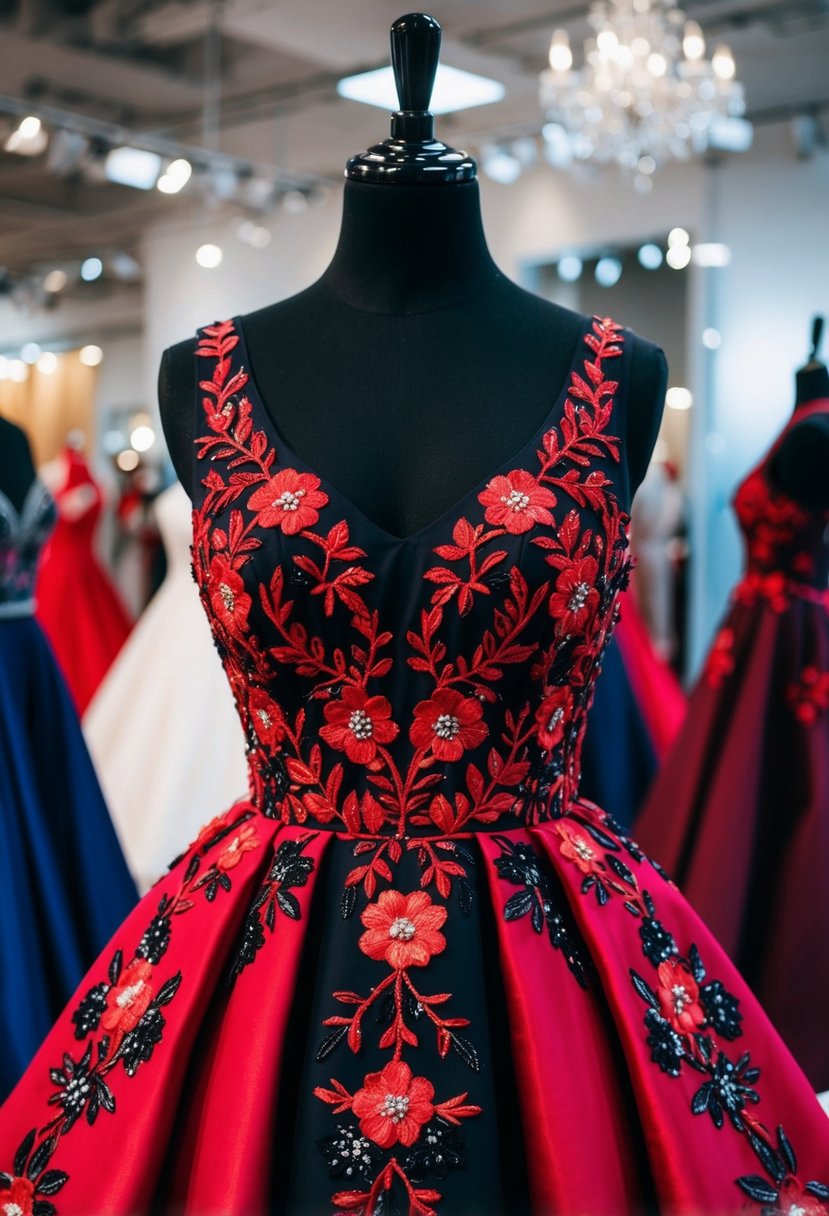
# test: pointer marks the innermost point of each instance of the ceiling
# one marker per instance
(141, 64)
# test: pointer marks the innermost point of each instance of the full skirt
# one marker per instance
(298, 1021)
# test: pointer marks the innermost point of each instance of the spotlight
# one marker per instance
(679, 398)
(91, 269)
(90, 355)
(127, 460)
(133, 167)
(608, 272)
(47, 363)
(29, 139)
(30, 352)
(650, 256)
(54, 281)
(209, 256)
(142, 438)
(175, 177)
(570, 268)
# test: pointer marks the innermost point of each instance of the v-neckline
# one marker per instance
(452, 513)
(20, 519)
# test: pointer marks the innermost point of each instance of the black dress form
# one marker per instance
(17, 470)
(413, 367)
(801, 464)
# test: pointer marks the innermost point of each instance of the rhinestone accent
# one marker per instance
(579, 597)
(516, 500)
(289, 500)
(395, 1107)
(402, 929)
(228, 598)
(360, 724)
(447, 726)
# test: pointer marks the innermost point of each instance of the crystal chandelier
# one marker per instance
(646, 94)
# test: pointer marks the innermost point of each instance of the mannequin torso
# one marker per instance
(17, 470)
(413, 368)
(800, 466)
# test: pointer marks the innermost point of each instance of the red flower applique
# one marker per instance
(517, 502)
(230, 602)
(449, 723)
(577, 846)
(267, 718)
(552, 716)
(809, 696)
(128, 1000)
(357, 723)
(393, 1105)
(794, 1200)
(403, 930)
(243, 842)
(18, 1199)
(575, 598)
(678, 994)
(290, 500)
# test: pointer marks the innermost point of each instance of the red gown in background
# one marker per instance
(78, 606)
(739, 815)
(657, 691)
(413, 972)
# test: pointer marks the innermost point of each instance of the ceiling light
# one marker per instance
(142, 438)
(693, 43)
(569, 268)
(91, 269)
(47, 363)
(453, 89)
(54, 281)
(561, 57)
(133, 167)
(500, 165)
(90, 355)
(678, 398)
(678, 236)
(711, 253)
(722, 61)
(678, 257)
(608, 272)
(175, 177)
(209, 256)
(18, 371)
(127, 460)
(711, 338)
(28, 139)
(30, 352)
(650, 256)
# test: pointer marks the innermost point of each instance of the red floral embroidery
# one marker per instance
(128, 1000)
(575, 598)
(678, 994)
(357, 723)
(230, 601)
(809, 696)
(403, 930)
(578, 847)
(552, 716)
(393, 1105)
(290, 500)
(516, 502)
(795, 1200)
(448, 723)
(267, 718)
(243, 842)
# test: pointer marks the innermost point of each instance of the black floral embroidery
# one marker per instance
(520, 865)
(438, 1150)
(728, 1090)
(32, 1184)
(348, 1154)
(88, 1014)
(156, 939)
(785, 1195)
(80, 1089)
(667, 1048)
(721, 1010)
(290, 868)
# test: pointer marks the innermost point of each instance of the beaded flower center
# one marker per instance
(447, 726)
(402, 929)
(516, 500)
(289, 500)
(360, 724)
(579, 596)
(127, 998)
(395, 1107)
(681, 997)
(582, 848)
(264, 717)
(554, 718)
(228, 598)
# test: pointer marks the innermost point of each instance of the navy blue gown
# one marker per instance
(64, 885)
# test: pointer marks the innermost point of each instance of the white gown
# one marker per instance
(162, 728)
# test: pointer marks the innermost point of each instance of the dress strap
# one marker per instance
(213, 388)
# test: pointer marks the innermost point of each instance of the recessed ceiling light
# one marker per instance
(454, 89)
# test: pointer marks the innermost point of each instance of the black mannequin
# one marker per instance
(800, 466)
(413, 368)
(17, 470)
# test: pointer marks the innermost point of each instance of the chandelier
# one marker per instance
(647, 92)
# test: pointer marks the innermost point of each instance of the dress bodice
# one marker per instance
(79, 500)
(783, 539)
(439, 681)
(23, 534)
(172, 514)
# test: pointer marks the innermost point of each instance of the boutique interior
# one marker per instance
(657, 179)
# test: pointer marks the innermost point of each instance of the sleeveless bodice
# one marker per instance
(784, 540)
(439, 681)
(80, 520)
(23, 534)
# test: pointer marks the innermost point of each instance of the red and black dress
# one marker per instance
(414, 972)
(739, 815)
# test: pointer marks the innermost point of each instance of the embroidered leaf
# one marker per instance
(819, 1189)
(644, 990)
(697, 965)
(787, 1153)
(115, 966)
(757, 1188)
(168, 990)
(40, 1158)
(22, 1154)
(289, 904)
(330, 1042)
(518, 905)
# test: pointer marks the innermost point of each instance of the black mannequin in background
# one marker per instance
(413, 368)
(17, 470)
(801, 465)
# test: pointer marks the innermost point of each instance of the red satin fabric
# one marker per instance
(657, 690)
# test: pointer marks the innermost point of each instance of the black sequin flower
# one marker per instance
(721, 1010)
(88, 1014)
(348, 1154)
(156, 939)
(728, 1090)
(666, 1046)
(657, 943)
(438, 1149)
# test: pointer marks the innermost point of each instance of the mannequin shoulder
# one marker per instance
(800, 466)
(177, 407)
(645, 394)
